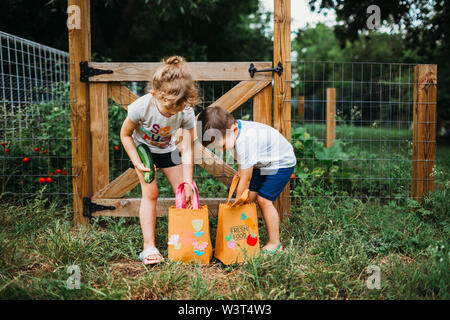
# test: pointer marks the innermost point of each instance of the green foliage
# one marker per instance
(45, 126)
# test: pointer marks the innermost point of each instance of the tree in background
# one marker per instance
(423, 28)
(144, 30)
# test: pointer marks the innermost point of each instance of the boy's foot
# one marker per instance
(151, 255)
(273, 248)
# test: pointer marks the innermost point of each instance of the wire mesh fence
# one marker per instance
(352, 129)
(35, 119)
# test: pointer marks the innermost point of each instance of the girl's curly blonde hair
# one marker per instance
(173, 84)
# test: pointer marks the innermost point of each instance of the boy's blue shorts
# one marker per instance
(270, 186)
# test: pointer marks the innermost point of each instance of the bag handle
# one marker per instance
(179, 197)
(233, 186)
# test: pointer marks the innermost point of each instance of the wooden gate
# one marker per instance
(92, 83)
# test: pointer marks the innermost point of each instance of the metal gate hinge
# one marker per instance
(89, 207)
(86, 71)
(278, 69)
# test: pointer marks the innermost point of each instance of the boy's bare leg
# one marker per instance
(272, 220)
(147, 212)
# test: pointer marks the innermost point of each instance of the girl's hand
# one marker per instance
(188, 197)
(141, 167)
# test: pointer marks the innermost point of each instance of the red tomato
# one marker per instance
(7, 150)
(49, 179)
(3, 143)
(116, 147)
(26, 159)
(252, 239)
(45, 151)
(64, 172)
(51, 173)
(293, 176)
(36, 149)
(58, 171)
(41, 180)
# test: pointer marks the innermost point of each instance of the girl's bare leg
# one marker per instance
(147, 212)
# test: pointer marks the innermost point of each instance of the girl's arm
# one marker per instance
(126, 131)
(187, 154)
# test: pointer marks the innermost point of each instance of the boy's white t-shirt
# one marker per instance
(155, 129)
(261, 146)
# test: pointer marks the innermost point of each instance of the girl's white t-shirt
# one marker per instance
(155, 129)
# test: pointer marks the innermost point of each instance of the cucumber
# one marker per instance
(146, 158)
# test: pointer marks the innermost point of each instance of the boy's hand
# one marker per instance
(236, 175)
(188, 197)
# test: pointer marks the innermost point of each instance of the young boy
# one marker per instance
(265, 159)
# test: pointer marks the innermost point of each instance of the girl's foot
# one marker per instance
(151, 255)
(273, 247)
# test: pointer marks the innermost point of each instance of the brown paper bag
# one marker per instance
(189, 238)
(237, 229)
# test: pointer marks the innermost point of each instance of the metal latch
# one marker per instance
(278, 69)
(89, 207)
(86, 71)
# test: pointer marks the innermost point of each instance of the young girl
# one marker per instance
(152, 119)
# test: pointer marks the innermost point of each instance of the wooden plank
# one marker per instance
(262, 106)
(240, 94)
(120, 186)
(121, 94)
(331, 117)
(424, 130)
(99, 135)
(129, 207)
(282, 84)
(201, 71)
(80, 50)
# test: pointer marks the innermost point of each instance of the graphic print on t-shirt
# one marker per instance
(157, 136)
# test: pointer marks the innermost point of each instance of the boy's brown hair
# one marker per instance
(213, 117)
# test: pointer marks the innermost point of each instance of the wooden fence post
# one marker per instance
(301, 108)
(80, 50)
(282, 84)
(100, 135)
(424, 130)
(331, 116)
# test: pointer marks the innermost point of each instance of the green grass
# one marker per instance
(329, 243)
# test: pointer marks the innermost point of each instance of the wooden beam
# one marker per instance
(240, 94)
(121, 94)
(80, 50)
(120, 186)
(99, 135)
(262, 106)
(282, 84)
(424, 130)
(331, 117)
(129, 207)
(201, 71)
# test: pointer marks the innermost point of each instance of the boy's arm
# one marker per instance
(244, 180)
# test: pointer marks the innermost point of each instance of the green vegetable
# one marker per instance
(146, 158)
